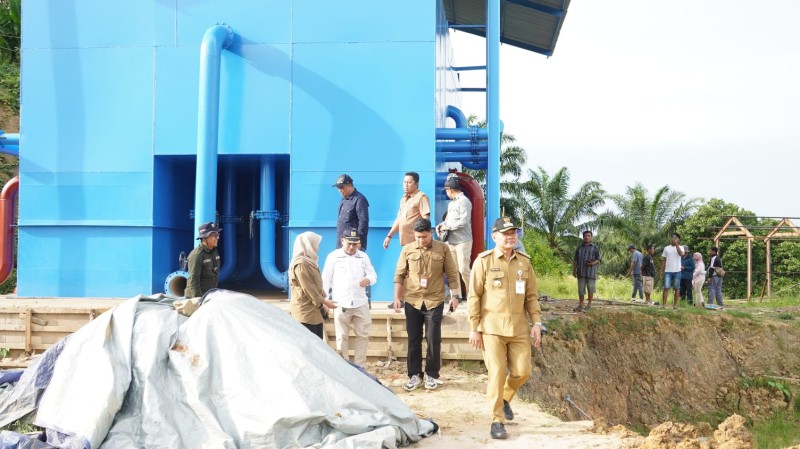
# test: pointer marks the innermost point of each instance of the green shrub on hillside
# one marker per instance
(9, 86)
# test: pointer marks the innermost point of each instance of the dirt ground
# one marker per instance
(624, 365)
(460, 408)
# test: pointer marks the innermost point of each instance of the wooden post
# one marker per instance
(28, 330)
(769, 269)
(749, 268)
(389, 338)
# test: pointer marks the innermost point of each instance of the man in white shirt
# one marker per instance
(458, 225)
(346, 274)
(671, 269)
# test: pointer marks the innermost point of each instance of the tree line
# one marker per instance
(554, 213)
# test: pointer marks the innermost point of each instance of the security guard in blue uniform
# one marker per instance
(204, 261)
(502, 303)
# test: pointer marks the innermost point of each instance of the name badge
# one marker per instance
(520, 287)
(423, 282)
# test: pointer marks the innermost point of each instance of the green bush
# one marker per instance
(9, 86)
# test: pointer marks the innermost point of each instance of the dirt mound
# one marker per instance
(645, 366)
(731, 434)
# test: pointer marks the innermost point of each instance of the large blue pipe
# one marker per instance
(216, 38)
(9, 143)
(457, 115)
(228, 226)
(464, 157)
(461, 146)
(461, 133)
(267, 227)
(493, 112)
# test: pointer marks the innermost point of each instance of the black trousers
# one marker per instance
(432, 321)
(686, 290)
(315, 328)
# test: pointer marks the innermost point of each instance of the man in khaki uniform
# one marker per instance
(419, 277)
(502, 303)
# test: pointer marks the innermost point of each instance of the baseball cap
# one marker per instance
(342, 180)
(351, 236)
(452, 183)
(631, 246)
(206, 229)
(503, 224)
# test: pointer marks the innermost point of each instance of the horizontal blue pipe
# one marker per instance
(461, 146)
(9, 143)
(475, 166)
(461, 157)
(460, 133)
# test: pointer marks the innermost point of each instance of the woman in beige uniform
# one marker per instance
(305, 281)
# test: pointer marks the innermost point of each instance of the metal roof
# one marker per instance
(530, 24)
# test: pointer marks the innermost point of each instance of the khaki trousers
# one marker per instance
(508, 361)
(461, 253)
(360, 320)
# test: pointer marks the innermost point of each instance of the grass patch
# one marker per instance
(714, 418)
(739, 314)
(22, 425)
(785, 316)
(565, 329)
(781, 430)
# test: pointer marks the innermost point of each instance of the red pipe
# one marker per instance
(474, 192)
(8, 200)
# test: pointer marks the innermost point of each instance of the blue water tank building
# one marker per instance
(141, 119)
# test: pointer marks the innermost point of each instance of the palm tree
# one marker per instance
(512, 159)
(556, 214)
(642, 220)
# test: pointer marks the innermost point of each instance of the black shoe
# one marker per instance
(498, 431)
(507, 411)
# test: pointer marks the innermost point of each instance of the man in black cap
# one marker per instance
(458, 225)
(353, 211)
(204, 261)
(502, 302)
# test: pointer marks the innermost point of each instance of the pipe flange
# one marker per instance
(176, 281)
(228, 34)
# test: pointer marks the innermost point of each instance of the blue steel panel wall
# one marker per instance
(254, 99)
(362, 103)
(108, 86)
(84, 261)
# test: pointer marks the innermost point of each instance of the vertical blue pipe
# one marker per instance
(493, 113)
(228, 228)
(214, 41)
(267, 227)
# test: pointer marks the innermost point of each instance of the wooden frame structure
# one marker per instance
(740, 231)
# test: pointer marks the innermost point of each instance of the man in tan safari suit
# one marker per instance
(502, 303)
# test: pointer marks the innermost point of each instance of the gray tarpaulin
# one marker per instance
(237, 374)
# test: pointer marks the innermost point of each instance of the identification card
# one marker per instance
(520, 287)
(423, 282)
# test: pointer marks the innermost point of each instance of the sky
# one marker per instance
(701, 96)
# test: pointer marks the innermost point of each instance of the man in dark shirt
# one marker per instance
(584, 268)
(648, 272)
(353, 211)
(204, 262)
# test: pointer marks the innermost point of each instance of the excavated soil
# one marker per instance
(693, 378)
(640, 366)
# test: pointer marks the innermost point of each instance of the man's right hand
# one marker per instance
(329, 304)
(476, 339)
(397, 304)
(386, 242)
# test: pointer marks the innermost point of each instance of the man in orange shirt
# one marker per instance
(413, 205)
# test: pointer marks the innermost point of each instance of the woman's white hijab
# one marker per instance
(306, 246)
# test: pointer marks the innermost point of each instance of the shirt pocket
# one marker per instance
(415, 263)
(496, 281)
(437, 263)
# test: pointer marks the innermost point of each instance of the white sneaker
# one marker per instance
(413, 383)
(431, 383)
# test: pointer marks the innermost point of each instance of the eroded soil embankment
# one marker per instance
(637, 367)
